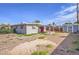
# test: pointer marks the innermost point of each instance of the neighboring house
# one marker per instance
(29, 28)
(70, 28)
(50, 28)
(54, 28)
(5, 26)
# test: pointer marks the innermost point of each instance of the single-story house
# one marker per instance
(5, 26)
(54, 28)
(71, 27)
(29, 28)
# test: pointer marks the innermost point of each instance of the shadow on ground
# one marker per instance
(62, 49)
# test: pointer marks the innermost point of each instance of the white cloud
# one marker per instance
(72, 8)
(68, 9)
(68, 14)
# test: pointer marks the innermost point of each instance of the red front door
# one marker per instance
(41, 29)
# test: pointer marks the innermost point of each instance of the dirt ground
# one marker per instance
(9, 41)
(66, 47)
(28, 48)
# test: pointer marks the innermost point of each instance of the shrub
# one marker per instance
(44, 52)
(76, 45)
(49, 46)
(28, 34)
(6, 31)
(76, 42)
(77, 49)
(70, 50)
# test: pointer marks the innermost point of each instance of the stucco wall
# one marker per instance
(75, 28)
(26, 29)
(71, 28)
(31, 29)
(21, 30)
(64, 28)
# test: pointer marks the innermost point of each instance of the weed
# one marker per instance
(44, 52)
(49, 46)
(41, 37)
(24, 35)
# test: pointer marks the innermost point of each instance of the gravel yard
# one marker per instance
(12, 44)
(29, 47)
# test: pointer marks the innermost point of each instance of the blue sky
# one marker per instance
(45, 12)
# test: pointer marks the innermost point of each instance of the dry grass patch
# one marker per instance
(41, 37)
(49, 46)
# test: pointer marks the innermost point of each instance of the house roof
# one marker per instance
(29, 24)
(71, 24)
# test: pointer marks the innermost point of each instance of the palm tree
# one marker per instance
(49, 28)
(53, 25)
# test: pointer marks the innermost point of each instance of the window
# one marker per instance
(21, 27)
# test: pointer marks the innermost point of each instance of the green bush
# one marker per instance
(76, 45)
(76, 42)
(5, 31)
(28, 34)
(77, 49)
(44, 52)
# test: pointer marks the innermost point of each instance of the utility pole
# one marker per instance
(77, 8)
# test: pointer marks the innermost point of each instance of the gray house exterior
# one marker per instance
(26, 28)
(70, 28)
